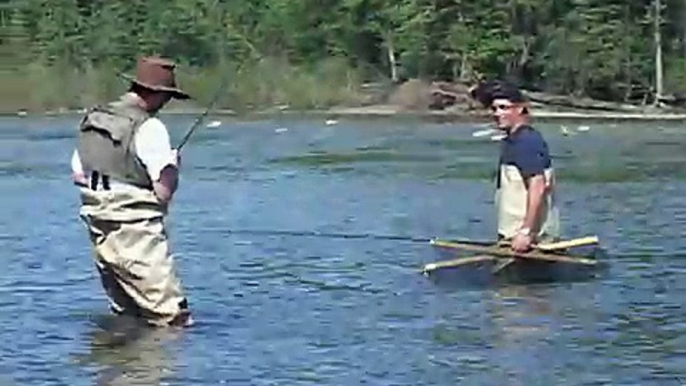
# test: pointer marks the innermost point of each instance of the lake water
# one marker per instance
(289, 310)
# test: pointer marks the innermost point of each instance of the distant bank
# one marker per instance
(391, 111)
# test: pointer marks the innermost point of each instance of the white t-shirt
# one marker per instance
(153, 148)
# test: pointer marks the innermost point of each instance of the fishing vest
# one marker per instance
(106, 145)
(511, 202)
(106, 141)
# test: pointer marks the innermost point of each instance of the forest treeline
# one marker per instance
(313, 53)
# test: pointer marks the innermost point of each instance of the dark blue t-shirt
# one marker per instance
(527, 150)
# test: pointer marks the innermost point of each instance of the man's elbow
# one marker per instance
(162, 192)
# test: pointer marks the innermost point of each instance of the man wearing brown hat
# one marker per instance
(128, 173)
(525, 183)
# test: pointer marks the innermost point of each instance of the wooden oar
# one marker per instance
(507, 252)
(579, 242)
(457, 262)
(510, 257)
(582, 241)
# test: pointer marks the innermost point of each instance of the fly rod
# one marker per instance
(200, 118)
(454, 244)
(327, 235)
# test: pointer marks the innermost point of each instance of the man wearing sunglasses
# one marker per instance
(525, 182)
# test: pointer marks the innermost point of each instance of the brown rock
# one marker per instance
(412, 95)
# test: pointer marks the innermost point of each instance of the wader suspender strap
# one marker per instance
(95, 176)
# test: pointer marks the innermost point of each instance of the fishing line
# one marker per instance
(327, 235)
(346, 236)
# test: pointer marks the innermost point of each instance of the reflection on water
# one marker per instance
(521, 319)
(513, 306)
(124, 352)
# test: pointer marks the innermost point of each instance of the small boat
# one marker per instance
(496, 262)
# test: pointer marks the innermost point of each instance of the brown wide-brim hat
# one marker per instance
(157, 74)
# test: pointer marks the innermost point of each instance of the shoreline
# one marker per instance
(482, 115)
(389, 112)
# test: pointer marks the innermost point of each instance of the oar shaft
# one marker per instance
(507, 252)
(568, 244)
(556, 246)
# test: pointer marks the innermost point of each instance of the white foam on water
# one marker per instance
(483, 133)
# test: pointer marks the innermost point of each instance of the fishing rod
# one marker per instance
(200, 118)
(345, 236)
(327, 235)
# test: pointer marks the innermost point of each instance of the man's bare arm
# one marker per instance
(79, 179)
(536, 188)
(166, 186)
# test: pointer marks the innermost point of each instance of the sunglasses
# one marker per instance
(503, 107)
